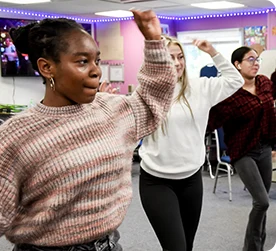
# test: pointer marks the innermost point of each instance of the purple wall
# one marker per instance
(221, 23)
(133, 50)
(171, 25)
(134, 41)
(271, 23)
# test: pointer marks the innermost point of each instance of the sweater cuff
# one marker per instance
(216, 55)
(156, 51)
(218, 59)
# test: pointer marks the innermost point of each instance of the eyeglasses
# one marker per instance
(252, 60)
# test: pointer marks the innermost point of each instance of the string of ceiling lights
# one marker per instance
(40, 15)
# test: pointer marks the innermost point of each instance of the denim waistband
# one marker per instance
(106, 243)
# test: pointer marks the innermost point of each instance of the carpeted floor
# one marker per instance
(222, 224)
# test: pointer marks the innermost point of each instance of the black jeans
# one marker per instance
(173, 208)
(255, 171)
(107, 243)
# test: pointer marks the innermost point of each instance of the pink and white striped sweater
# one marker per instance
(65, 173)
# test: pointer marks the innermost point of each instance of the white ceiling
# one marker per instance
(87, 8)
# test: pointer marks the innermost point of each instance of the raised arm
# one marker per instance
(219, 88)
(157, 77)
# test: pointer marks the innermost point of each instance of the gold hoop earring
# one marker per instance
(52, 84)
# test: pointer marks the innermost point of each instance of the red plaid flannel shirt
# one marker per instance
(246, 118)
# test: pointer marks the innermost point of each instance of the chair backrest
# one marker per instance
(220, 145)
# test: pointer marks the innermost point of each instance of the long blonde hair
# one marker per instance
(183, 80)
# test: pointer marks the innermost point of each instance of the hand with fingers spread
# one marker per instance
(148, 24)
(205, 46)
(105, 87)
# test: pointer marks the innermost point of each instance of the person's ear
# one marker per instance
(46, 67)
(238, 65)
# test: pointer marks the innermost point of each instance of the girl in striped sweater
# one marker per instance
(65, 164)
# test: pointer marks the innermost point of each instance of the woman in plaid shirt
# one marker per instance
(248, 120)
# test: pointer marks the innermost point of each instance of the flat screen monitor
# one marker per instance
(14, 63)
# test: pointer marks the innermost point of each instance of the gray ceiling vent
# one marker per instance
(136, 1)
(128, 1)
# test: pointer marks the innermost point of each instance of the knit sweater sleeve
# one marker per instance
(152, 98)
(8, 181)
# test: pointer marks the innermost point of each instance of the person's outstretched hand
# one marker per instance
(104, 87)
(148, 24)
(205, 46)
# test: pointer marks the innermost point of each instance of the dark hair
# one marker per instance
(46, 38)
(239, 53)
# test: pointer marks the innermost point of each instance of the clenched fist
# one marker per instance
(148, 24)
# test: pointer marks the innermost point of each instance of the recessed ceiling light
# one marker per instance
(24, 1)
(115, 13)
(217, 5)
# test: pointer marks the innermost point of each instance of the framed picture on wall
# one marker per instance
(165, 29)
(105, 72)
(255, 35)
(116, 73)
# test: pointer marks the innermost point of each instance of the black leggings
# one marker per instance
(173, 208)
(255, 171)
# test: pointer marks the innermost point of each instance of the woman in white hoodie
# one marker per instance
(170, 181)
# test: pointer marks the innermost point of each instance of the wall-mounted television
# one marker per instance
(14, 63)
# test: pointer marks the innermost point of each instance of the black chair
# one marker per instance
(136, 156)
